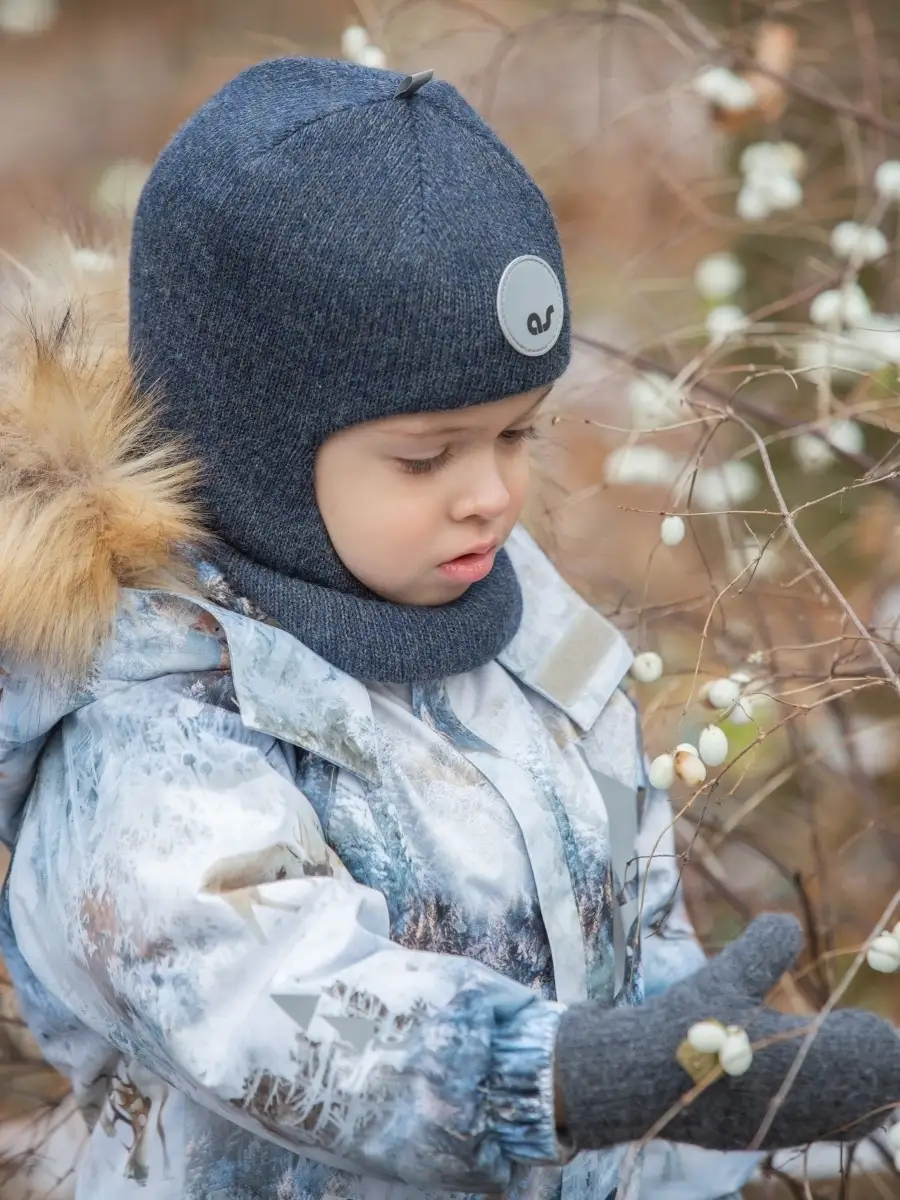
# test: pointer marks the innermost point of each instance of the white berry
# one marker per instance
(849, 240)
(847, 436)
(742, 713)
(845, 238)
(887, 184)
(89, 259)
(849, 304)
(354, 40)
(647, 667)
(811, 452)
(752, 203)
(707, 1036)
(724, 88)
(736, 1055)
(719, 276)
(884, 954)
(662, 772)
(28, 17)
(784, 192)
(689, 767)
(724, 321)
(655, 401)
(672, 531)
(723, 693)
(874, 244)
(373, 56)
(765, 159)
(713, 746)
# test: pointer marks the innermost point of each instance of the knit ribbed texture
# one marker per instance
(311, 252)
(374, 640)
(619, 1075)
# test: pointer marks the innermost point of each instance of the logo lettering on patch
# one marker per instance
(528, 288)
(534, 322)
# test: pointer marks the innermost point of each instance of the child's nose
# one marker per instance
(486, 495)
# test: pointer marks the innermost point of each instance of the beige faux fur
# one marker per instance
(90, 499)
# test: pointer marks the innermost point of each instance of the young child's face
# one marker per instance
(417, 506)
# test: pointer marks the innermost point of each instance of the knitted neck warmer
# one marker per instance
(378, 641)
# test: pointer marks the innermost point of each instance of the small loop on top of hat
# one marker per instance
(412, 83)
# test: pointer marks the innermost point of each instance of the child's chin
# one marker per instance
(430, 594)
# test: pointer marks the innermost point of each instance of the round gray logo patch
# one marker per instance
(530, 305)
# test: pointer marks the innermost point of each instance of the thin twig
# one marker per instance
(816, 1025)
(787, 516)
(736, 404)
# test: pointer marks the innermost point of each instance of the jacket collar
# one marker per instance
(284, 689)
(564, 650)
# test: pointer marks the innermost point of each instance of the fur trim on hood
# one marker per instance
(91, 500)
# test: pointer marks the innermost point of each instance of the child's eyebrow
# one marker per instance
(458, 427)
(432, 431)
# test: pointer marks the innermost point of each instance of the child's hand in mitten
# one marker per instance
(617, 1072)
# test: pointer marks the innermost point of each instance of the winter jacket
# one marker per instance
(291, 935)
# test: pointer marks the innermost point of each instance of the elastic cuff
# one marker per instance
(522, 1099)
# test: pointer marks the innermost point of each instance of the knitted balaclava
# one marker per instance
(324, 244)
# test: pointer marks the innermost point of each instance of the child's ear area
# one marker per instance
(543, 395)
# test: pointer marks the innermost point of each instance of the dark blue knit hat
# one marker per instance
(313, 250)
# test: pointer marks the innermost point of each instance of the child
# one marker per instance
(328, 878)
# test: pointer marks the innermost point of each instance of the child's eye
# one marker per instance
(421, 466)
(519, 435)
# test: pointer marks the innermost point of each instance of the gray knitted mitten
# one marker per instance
(617, 1073)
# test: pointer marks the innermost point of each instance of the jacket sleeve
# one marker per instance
(182, 901)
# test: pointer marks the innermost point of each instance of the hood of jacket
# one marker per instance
(91, 499)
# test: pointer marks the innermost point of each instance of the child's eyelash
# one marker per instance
(519, 435)
(421, 466)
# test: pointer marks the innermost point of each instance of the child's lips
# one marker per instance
(469, 568)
